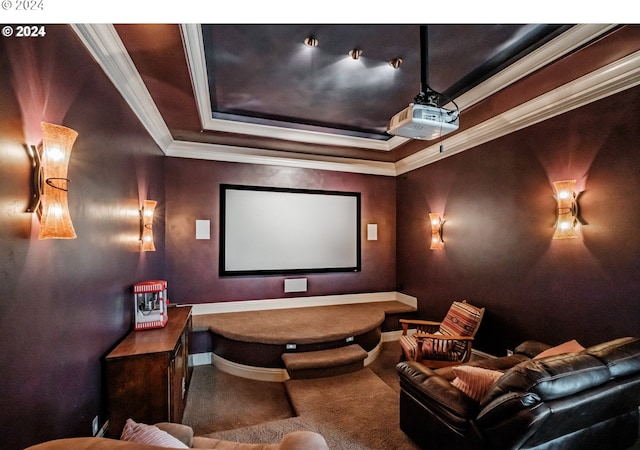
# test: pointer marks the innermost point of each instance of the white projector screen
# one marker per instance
(266, 230)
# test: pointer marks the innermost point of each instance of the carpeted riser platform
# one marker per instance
(261, 338)
(270, 355)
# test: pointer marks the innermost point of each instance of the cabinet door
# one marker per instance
(137, 389)
(178, 380)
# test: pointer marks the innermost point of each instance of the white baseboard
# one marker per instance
(250, 372)
(301, 302)
(373, 354)
(200, 359)
(389, 336)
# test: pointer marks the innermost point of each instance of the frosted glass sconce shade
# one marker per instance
(566, 210)
(436, 231)
(51, 164)
(146, 226)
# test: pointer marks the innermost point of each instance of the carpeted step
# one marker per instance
(323, 363)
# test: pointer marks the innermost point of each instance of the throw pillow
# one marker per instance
(571, 346)
(149, 434)
(462, 319)
(474, 381)
(433, 346)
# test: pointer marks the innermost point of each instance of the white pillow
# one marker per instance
(149, 434)
(474, 381)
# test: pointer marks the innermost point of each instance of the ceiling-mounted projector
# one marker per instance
(425, 118)
(423, 122)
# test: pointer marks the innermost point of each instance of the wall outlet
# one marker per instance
(95, 425)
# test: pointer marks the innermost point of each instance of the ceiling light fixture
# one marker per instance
(355, 53)
(311, 41)
(395, 62)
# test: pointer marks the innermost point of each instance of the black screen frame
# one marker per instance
(225, 272)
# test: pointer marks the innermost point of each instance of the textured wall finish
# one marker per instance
(498, 203)
(193, 192)
(65, 303)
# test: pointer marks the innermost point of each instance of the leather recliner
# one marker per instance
(588, 399)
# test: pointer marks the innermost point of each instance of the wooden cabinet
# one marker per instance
(148, 374)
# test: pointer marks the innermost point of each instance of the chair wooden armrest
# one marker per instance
(442, 337)
(420, 325)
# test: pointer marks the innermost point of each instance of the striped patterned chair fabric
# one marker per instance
(446, 343)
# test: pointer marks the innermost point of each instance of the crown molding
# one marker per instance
(215, 152)
(573, 38)
(104, 44)
(608, 80)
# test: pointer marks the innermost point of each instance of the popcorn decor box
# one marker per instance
(150, 300)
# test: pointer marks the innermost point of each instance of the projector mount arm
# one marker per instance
(428, 96)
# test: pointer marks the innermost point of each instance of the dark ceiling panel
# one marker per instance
(265, 74)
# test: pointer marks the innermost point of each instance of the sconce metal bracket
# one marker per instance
(37, 179)
(573, 210)
(441, 230)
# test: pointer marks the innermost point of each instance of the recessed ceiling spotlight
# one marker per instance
(311, 41)
(355, 53)
(395, 62)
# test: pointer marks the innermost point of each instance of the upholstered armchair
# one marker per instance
(441, 344)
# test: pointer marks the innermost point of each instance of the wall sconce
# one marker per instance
(436, 231)
(566, 210)
(146, 226)
(50, 166)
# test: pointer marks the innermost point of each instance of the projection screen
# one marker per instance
(280, 231)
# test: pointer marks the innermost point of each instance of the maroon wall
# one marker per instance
(498, 202)
(65, 303)
(193, 191)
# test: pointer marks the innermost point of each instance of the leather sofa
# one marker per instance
(296, 440)
(585, 399)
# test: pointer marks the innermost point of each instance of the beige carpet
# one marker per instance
(218, 401)
(355, 411)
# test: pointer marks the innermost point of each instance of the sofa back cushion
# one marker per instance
(551, 378)
(621, 356)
